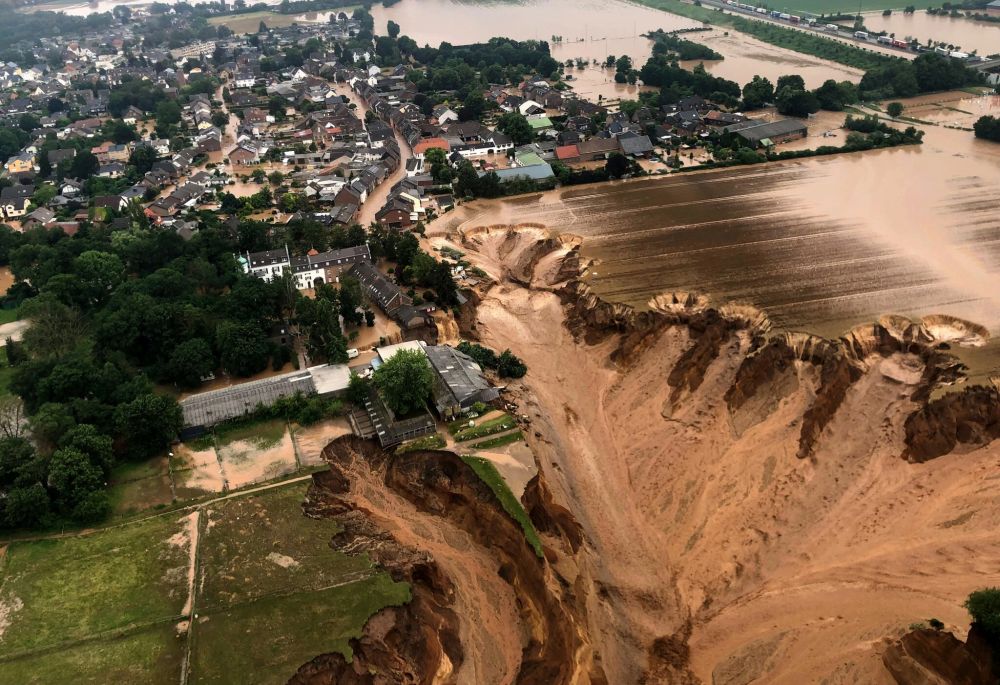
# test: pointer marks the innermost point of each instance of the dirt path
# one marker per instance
(186, 507)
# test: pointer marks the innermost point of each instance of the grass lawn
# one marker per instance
(104, 607)
(261, 434)
(8, 315)
(485, 469)
(250, 22)
(428, 442)
(499, 441)
(273, 637)
(261, 545)
(72, 588)
(136, 486)
(151, 656)
(481, 430)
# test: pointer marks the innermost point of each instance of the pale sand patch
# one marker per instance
(8, 607)
(197, 469)
(310, 440)
(515, 463)
(188, 536)
(245, 462)
(282, 560)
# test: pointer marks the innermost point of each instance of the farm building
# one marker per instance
(206, 409)
(766, 133)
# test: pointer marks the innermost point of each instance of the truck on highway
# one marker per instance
(861, 35)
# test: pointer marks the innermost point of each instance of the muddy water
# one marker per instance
(820, 244)
(591, 29)
(966, 34)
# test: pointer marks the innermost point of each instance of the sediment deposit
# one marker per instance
(751, 505)
(718, 503)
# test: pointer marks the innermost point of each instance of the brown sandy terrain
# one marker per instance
(712, 552)
(249, 461)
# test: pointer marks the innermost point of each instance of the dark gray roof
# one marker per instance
(458, 379)
(375, 284)
(212, 407)
(635, 145)
(756, 131)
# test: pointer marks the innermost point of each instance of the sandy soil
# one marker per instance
(784, 570)
(248, 461)
(196, 471)
(310, 440)
(482, 599)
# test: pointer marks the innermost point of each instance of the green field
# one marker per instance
(152, 655)
(250, 22)
(489, 475)
(826, 7)
(481, 430)
(805, 42)
(77, 588)
(428, 442)
(274, 636)
(499, 441)
(110, 606)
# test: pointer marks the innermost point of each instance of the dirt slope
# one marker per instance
(747, 508)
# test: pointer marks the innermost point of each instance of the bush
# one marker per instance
(984, 607)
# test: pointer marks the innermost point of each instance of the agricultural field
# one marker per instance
(115, 605)
(250, 22)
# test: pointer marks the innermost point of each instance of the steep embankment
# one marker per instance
(485, 609)
(752, 508)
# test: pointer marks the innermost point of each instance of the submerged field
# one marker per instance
(115, 605)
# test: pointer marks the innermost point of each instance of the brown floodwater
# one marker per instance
(967, 34)
(594, 29)
(820, 244)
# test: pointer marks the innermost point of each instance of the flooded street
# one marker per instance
(965, 34)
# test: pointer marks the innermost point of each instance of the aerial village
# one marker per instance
(311, 131)
(322, 150)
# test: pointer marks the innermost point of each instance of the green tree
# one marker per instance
(984, 607)
(26, 506)
(757, 93)
(988, 128)
(894, 109)
(148, 424)
(143, 158)
(796, 103)
(99, 273)
(73, 478)
(510, 366)
(517, 127)
(404, 381)
(793, 81)
(87, 439)
(243, 347)
(191, 361)
(51, 422)
(84, 165)
(392, 28)
(617, 165)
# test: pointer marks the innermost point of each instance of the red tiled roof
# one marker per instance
(429, 143)
(567, 152)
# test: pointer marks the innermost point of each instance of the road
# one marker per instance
(846, 37)
(376, 199)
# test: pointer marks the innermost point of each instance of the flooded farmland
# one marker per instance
(593, 30)
(821, 244)
(965, 34)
